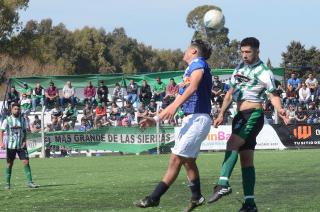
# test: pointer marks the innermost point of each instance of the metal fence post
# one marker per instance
(43, 154)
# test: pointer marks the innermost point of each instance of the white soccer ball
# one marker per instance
(213, 19)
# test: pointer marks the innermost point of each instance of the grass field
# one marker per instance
(286, 181)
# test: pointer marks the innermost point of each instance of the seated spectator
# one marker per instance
(145, 92)
(88, 113)
(101, 113)
(152, 108)
(217, 90)
(67, 95)
(70, 115)
(116, 93)
(132, 91)
(129, 112)
(159, 90)
(215, 110)
(115, 111)
(125, 122)
(316, 98)
(55, 124)
(89, 93)
(312, 83)
(142, 112)
(301, 115)
(312, 115)
(304, 94)
(37, 96)
(291, 114)
(226, 86)
(178, 116)
(36, 124)
(27, 122)
(103, 93)
(85, 125)
(26, 90)
(13, 96)
(56, 112)
(295, 82)
(25, 104)
(51, 95)
(291, 96)
(172, 91)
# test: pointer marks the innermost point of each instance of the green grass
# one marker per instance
(286, 181)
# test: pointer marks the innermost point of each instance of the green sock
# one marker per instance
(27, 172)
(248, 181)
(230, 160)
(8, 175)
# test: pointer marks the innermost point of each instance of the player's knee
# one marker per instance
(176, 160)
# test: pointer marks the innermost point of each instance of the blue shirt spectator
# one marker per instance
(295, 82)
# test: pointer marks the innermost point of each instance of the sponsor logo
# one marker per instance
(302, 132)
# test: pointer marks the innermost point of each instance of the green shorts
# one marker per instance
(247, 124)
(22, 153)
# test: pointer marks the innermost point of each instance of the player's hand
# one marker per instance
(147, 122)
(218, 121)
(282, 112)
(168, 113)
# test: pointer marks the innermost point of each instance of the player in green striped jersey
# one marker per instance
(16, 143)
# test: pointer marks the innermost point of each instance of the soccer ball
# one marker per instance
(213, 19)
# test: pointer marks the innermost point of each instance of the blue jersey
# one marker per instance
(200, 101)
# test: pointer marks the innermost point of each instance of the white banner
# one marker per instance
(218, 137)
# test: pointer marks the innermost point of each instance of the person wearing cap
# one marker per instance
(51, 95)
(103, 92)
(26, 90)
(37, 96)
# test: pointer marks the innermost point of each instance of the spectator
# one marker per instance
(84, 126)
(26, 90)
(317, 96)
(312, 83)
(89, 93)
(116, 93)
(101, 113)
(67, 94)
(291, 96)
(312, 116)
(103, 93)
(88, 113)
(36, 125)
(291, 114)
(159, 90)
(27, 122)
(226, 86)
(217, 90)
(114, 111)
(25, 104)
(129, 112)
(215, 110)
(178, 116)
(145, 92)
(295, 82)
(13, 96)
(56, 112)
(152, 108)
(52, 95)
(304, 94)
(126, 122)
(301, 116)
(172, 91)
(37, 96)
(132, 91)
(142, 112)
(55, 124)
(70, 115)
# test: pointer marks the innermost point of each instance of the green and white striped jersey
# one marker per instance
(16, 131)
(252, 82)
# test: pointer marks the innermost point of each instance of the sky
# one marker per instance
(162, 24)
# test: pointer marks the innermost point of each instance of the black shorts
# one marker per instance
(247, 124)
(22, 153)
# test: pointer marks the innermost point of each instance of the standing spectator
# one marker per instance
(291, 96)
(304, 94)
(132, 91)
(13, 96)
(217, 90)
(159, 90)
(26, 90)
(312, 83)
(70, 115)
(312, 116)
(172, 91)
(52, 95)
(101, 113)
(142, 112)
(103, 92)
(36, 124)
(145, 92)
(89, 93)
(295, 82)
(37, 96)
(67, 94)
(116, 93)
(301, 116)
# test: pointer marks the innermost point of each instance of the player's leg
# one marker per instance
(248, 180)
(24, 157)
(11, 154)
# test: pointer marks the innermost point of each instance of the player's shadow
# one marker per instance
(57, 185)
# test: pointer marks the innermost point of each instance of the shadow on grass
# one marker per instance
(57, 185)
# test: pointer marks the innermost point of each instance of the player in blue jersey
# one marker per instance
(194, 99)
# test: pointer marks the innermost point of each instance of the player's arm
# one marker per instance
(1, 139)
(225, 105)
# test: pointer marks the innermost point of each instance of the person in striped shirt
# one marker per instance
(16, 143)
(250, 82)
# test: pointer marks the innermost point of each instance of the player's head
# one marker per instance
(197, 48)
(15, 109)
(249, 48)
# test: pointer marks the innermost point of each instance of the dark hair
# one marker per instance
(204, 48)
(250, 41)
(15, 105)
